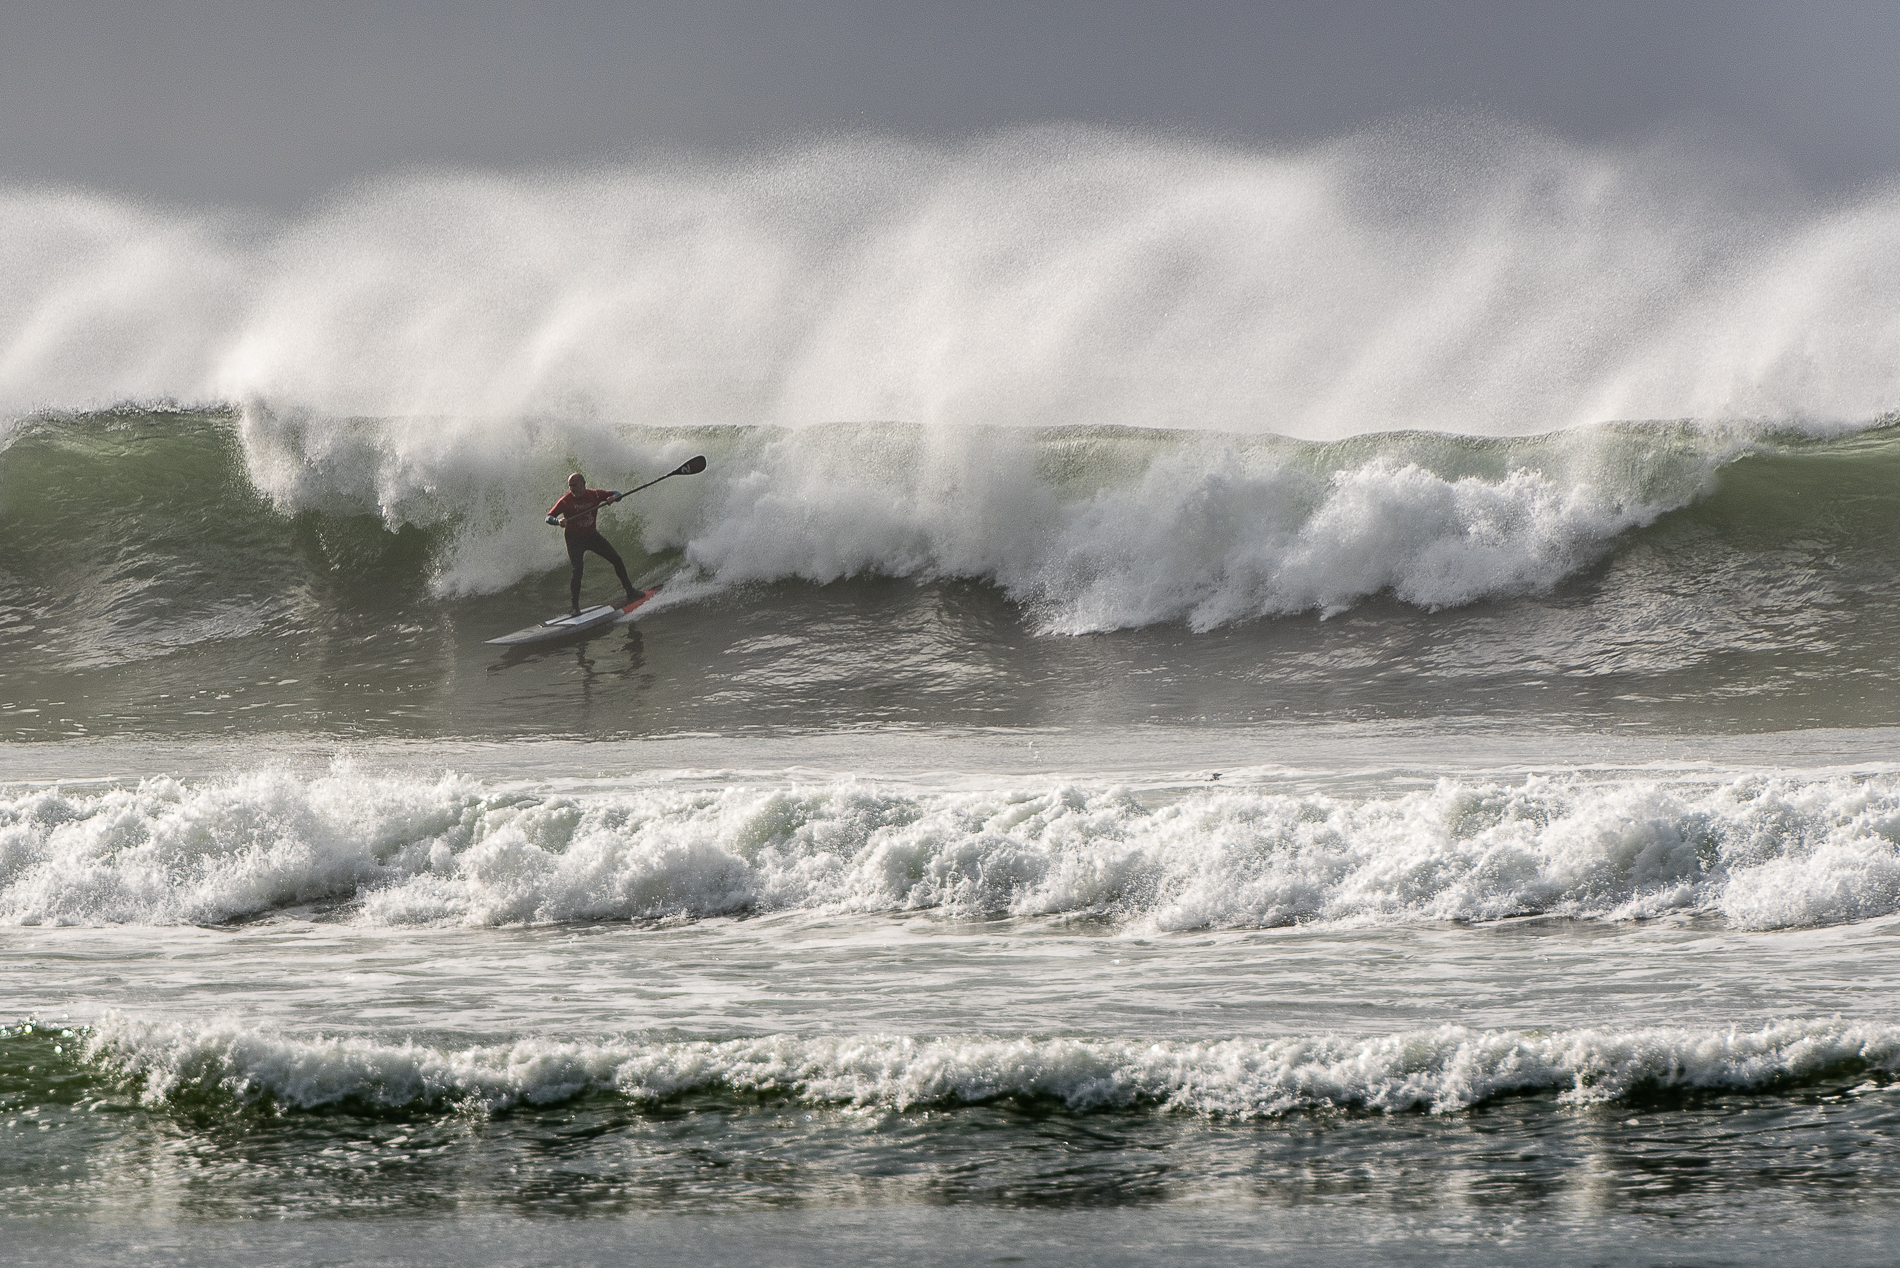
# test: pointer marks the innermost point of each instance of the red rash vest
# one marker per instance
(580, 510)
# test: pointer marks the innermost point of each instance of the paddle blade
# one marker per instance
(692, 466)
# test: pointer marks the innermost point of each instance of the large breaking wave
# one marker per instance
(1762, 852)
(1086, 528)
(1090, 529)
(950, 362)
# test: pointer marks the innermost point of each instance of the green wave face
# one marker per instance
(212, 572)
(130, 536)
(142, 571)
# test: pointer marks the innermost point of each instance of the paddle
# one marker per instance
(692, 466)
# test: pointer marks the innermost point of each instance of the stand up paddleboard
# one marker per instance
(561, 627)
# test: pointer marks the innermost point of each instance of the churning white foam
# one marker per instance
(1444, 1069)
(1088, 529)
(1764, 852)
(1461, 276)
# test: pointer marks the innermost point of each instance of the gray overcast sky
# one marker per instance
(270, 103)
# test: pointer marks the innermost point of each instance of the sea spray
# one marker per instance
(1462, 276)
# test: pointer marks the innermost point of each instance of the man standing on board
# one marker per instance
(580, 505)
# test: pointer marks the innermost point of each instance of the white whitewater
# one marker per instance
(1759, 852)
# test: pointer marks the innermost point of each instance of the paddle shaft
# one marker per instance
(692, 466)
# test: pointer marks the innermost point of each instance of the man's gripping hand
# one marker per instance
(554, 520)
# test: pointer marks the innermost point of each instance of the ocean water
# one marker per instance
(1209, 707)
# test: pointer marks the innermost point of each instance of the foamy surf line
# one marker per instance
(1444, 1069)
(1763, 851)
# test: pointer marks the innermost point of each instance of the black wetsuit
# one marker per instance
(577, 548)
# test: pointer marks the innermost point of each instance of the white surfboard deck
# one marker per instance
(567, 626)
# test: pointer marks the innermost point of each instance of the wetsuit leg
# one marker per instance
(576, 556)
(600, 546)
(577, 550)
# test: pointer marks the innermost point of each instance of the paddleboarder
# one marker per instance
(575, 513)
